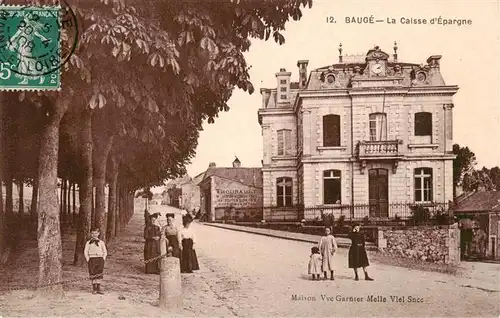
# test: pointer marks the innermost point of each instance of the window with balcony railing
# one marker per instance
(423, 185)
(331, 131)
(378, 126)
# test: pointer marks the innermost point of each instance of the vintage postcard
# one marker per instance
(249, 158)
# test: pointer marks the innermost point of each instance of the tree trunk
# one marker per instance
(34, 199)
(11, 223)
(61, 216)
(49, 235)
(21, 207)
(121, 208)
(112, 198)
(63, 201)
(117, 210)
(74, 204)
(21, 199)
(85, 192)
(68, 201)
(100, 159)
(92, 198)
(9, 204)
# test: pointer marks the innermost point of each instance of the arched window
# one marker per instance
(423, 184)
(284, 191)
(331, 131)
(331, 187)
(423, 124)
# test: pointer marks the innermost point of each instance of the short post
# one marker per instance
(170, 279)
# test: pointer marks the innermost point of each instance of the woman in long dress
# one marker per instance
(327, 247)
(357, 252)
(152, 233)
(189, 261)
(172, 234)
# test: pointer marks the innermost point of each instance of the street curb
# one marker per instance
(340, 245)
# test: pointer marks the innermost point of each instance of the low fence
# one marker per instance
(402, 213)
(373, 213)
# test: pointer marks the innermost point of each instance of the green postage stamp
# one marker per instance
(30, 48)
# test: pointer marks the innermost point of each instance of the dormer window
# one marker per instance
(330, 78)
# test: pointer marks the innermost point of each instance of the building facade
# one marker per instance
(367, 136)
(231, 193)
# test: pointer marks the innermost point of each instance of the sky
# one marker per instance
(470, 59)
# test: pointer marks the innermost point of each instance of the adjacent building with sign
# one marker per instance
(231, 193)
(368, 136)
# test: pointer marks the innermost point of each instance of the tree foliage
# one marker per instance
(464, 162)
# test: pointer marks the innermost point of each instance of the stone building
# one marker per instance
(368, 136)
(231, 193)
(484, 208)
(190, 193)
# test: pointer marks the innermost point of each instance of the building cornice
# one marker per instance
(276, 111)
(448, 90)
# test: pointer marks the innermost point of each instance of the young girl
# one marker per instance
(327, 247)
(315, 263)
(95, 253)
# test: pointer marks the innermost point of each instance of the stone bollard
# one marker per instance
(170, 279)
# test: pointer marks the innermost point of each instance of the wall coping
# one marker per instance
(419, 227)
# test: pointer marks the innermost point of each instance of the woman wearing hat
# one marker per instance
(357, 252)
(172, 234)
(189, 261)
(152, 233)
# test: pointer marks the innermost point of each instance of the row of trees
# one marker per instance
(134, 96)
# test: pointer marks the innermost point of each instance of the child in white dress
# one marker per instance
(315, 262)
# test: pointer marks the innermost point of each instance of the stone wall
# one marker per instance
(436, 244)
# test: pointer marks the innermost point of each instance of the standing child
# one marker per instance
(95, 253)
(315, 263)
(357, 252)
(327, 247)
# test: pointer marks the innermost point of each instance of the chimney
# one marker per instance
(283, 78)
(236, 163)
(211, 165)
(266, 93)
(302, 65)
(340, 53)
(433, 61)
(395, 55)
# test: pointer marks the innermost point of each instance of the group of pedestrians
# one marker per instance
(321, 259)
(181, 242)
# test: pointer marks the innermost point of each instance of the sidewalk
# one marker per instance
(128, 292)
(309, 238)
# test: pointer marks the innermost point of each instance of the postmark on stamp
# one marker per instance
(35, 42)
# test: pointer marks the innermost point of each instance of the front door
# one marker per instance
(378, 186)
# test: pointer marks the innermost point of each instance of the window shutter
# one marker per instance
(288, 142)
(280, 142)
